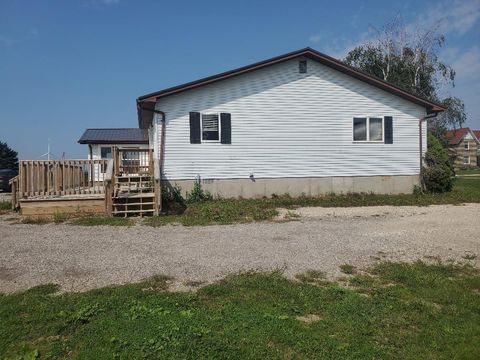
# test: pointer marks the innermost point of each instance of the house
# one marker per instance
(464, 145)
(299, 123)
(101, 143)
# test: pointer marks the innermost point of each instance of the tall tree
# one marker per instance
(454, 116)
(407, 57)
(8, 157)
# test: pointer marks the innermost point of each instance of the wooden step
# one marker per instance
(114, 212)
(133, 204)
(131, 177)
(134, 196)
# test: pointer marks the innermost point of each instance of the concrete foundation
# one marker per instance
(257, 188)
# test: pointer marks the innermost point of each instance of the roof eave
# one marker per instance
(307, 52)
(95, 142)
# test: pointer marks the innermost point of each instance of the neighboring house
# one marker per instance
(300, 123)
(464, 145)
(102, 141)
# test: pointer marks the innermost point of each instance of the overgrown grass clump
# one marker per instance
(102, 220)
(396, 311)
(5, 205)
(218, 212)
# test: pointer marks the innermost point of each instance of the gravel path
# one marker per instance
(81, 258)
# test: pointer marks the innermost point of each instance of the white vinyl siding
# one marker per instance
(288, 124)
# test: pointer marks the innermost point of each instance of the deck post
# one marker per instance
(109, 186)
(22, 179)
(14, 193)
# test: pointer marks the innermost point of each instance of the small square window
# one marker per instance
(466, 145)
(466, 160)
(210, 128)
(302, 66)
(106, 152)
(360, 129)
(368, 129)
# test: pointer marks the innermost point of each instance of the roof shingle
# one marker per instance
(115, 136)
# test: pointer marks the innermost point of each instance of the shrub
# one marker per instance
(198, 194)
(437, 176)
(172, 199)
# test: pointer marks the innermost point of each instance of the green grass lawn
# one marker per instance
(468, 172)
(466, 190)
(396, 311)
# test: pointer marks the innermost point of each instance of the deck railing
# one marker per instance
(39, 178)
(133, 161)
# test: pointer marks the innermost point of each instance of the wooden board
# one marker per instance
(47, 208)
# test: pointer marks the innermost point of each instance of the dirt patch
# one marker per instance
(7, 274)
(309, 318)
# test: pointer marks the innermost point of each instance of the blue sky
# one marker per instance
(69, 65)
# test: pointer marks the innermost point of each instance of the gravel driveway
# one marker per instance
(81, 258)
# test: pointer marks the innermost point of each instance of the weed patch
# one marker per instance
(101, 220)
(35, 221)
(5, 206)
(348, 269)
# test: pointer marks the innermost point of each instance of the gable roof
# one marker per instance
(115, 136)
(476, 133)
(145, 102)
(456, 135)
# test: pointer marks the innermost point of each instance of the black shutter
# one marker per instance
(226, 123)
(195, 136)
(388, 130)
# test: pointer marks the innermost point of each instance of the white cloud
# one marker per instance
(458, 16)
(7, 41)
(467, 65)
(315, 38)
(97, 3)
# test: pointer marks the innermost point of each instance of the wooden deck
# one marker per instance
(128, 184)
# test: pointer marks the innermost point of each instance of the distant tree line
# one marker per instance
(8, 157)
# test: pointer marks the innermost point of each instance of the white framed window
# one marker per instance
(210, 127)
(466, 160)
(368, 129)
(466, 145)
(105, 152)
